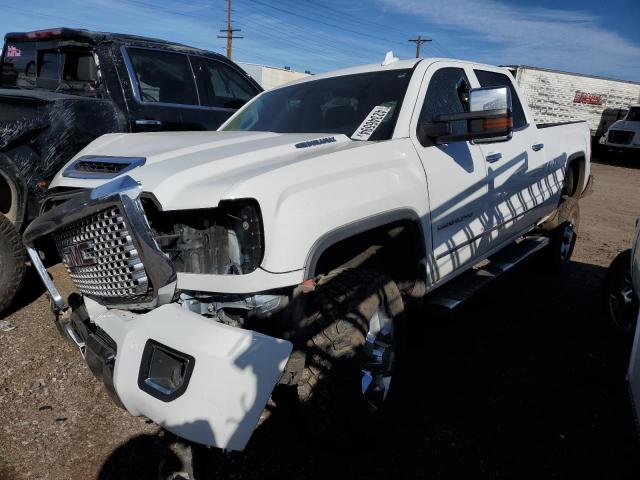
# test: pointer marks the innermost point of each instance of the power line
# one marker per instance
(229, 31)
(419, 41)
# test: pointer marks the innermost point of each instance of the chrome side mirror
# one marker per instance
(489, 119)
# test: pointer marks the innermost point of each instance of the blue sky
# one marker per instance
(587, 36)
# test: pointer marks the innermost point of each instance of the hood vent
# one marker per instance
(101, 168)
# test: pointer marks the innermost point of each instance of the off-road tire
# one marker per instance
(566, 216)
(331, 331)
(12, 258)
(618, 277)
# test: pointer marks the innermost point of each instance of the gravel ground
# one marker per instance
(526, 381)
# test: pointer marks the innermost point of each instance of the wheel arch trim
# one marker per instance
(349, 230)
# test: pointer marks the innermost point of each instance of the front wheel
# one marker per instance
(349, 332)
(12, 258)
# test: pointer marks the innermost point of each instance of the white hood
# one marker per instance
(182, 168)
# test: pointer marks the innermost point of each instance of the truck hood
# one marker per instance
(184, 170)
(625, 125)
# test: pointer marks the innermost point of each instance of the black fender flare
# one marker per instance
(360, 226)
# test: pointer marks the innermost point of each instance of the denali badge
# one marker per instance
(78, 255)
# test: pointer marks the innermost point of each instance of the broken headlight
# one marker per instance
(226, 240)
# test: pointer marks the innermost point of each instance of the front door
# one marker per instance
(515, 168)
(456, 174)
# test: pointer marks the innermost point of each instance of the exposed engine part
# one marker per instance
(222, 241)
(259, 305)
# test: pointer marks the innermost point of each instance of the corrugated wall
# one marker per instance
(562, 97)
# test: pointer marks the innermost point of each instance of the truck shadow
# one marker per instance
(627, 160)
(526, 381)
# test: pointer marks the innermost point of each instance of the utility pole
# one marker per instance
(419, 41)
(229, 36)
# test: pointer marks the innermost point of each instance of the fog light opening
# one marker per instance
(164, 372)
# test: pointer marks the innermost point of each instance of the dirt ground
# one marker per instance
(526, 381)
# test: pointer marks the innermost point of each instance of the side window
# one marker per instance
(222, 86)
(448, 92)
(494, 79)
(49, 64)
(163, 76)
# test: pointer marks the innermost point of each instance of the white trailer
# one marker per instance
(556, 96)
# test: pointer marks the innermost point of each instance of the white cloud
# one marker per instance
(556, 38)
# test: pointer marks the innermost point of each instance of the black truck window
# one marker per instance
(221, 86)
(19, 65)
(49, 64)
(448, 92)
(163, 76)
(494, 79)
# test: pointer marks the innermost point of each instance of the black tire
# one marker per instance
(563, 234)
(570, 180)
(12, 258)
(332, 333)
(621, 302)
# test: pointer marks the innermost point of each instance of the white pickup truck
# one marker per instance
(282, 250)
(624, 135)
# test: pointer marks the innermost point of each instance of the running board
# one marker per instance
(468, 284)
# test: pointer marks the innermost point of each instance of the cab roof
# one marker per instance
(95, 38)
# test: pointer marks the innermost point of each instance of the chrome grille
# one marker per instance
(100, 256)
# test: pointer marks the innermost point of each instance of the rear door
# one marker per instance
(515, 168)
(223, 88)
(456, 173)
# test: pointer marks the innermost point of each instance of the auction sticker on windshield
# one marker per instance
(371, 123)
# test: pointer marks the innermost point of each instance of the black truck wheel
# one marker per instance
(12, 257)
(349, 333)
(564, 232)
(621, 302)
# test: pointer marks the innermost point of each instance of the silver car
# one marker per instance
(633, 376)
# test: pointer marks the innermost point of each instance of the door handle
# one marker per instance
(493, 157)
(148, 123)
(537, 146)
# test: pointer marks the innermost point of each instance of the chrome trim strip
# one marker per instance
(56, 298)
(195, 80)
(131, 72)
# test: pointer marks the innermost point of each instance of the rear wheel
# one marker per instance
(12, 258)
(620, 300)
(349, 332)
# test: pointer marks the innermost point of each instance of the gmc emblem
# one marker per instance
(78, 255)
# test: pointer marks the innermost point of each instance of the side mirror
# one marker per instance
(489, 119)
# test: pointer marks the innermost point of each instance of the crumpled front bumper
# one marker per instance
(232, 374)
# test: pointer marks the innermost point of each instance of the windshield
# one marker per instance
(50, 66)
(633, 115)
(363, 106)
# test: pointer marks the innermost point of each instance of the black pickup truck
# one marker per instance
(62, 88)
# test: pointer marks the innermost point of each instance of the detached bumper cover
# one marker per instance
(233, 375)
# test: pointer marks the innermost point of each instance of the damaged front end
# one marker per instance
(178, 358)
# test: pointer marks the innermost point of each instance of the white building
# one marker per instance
(269, 77)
